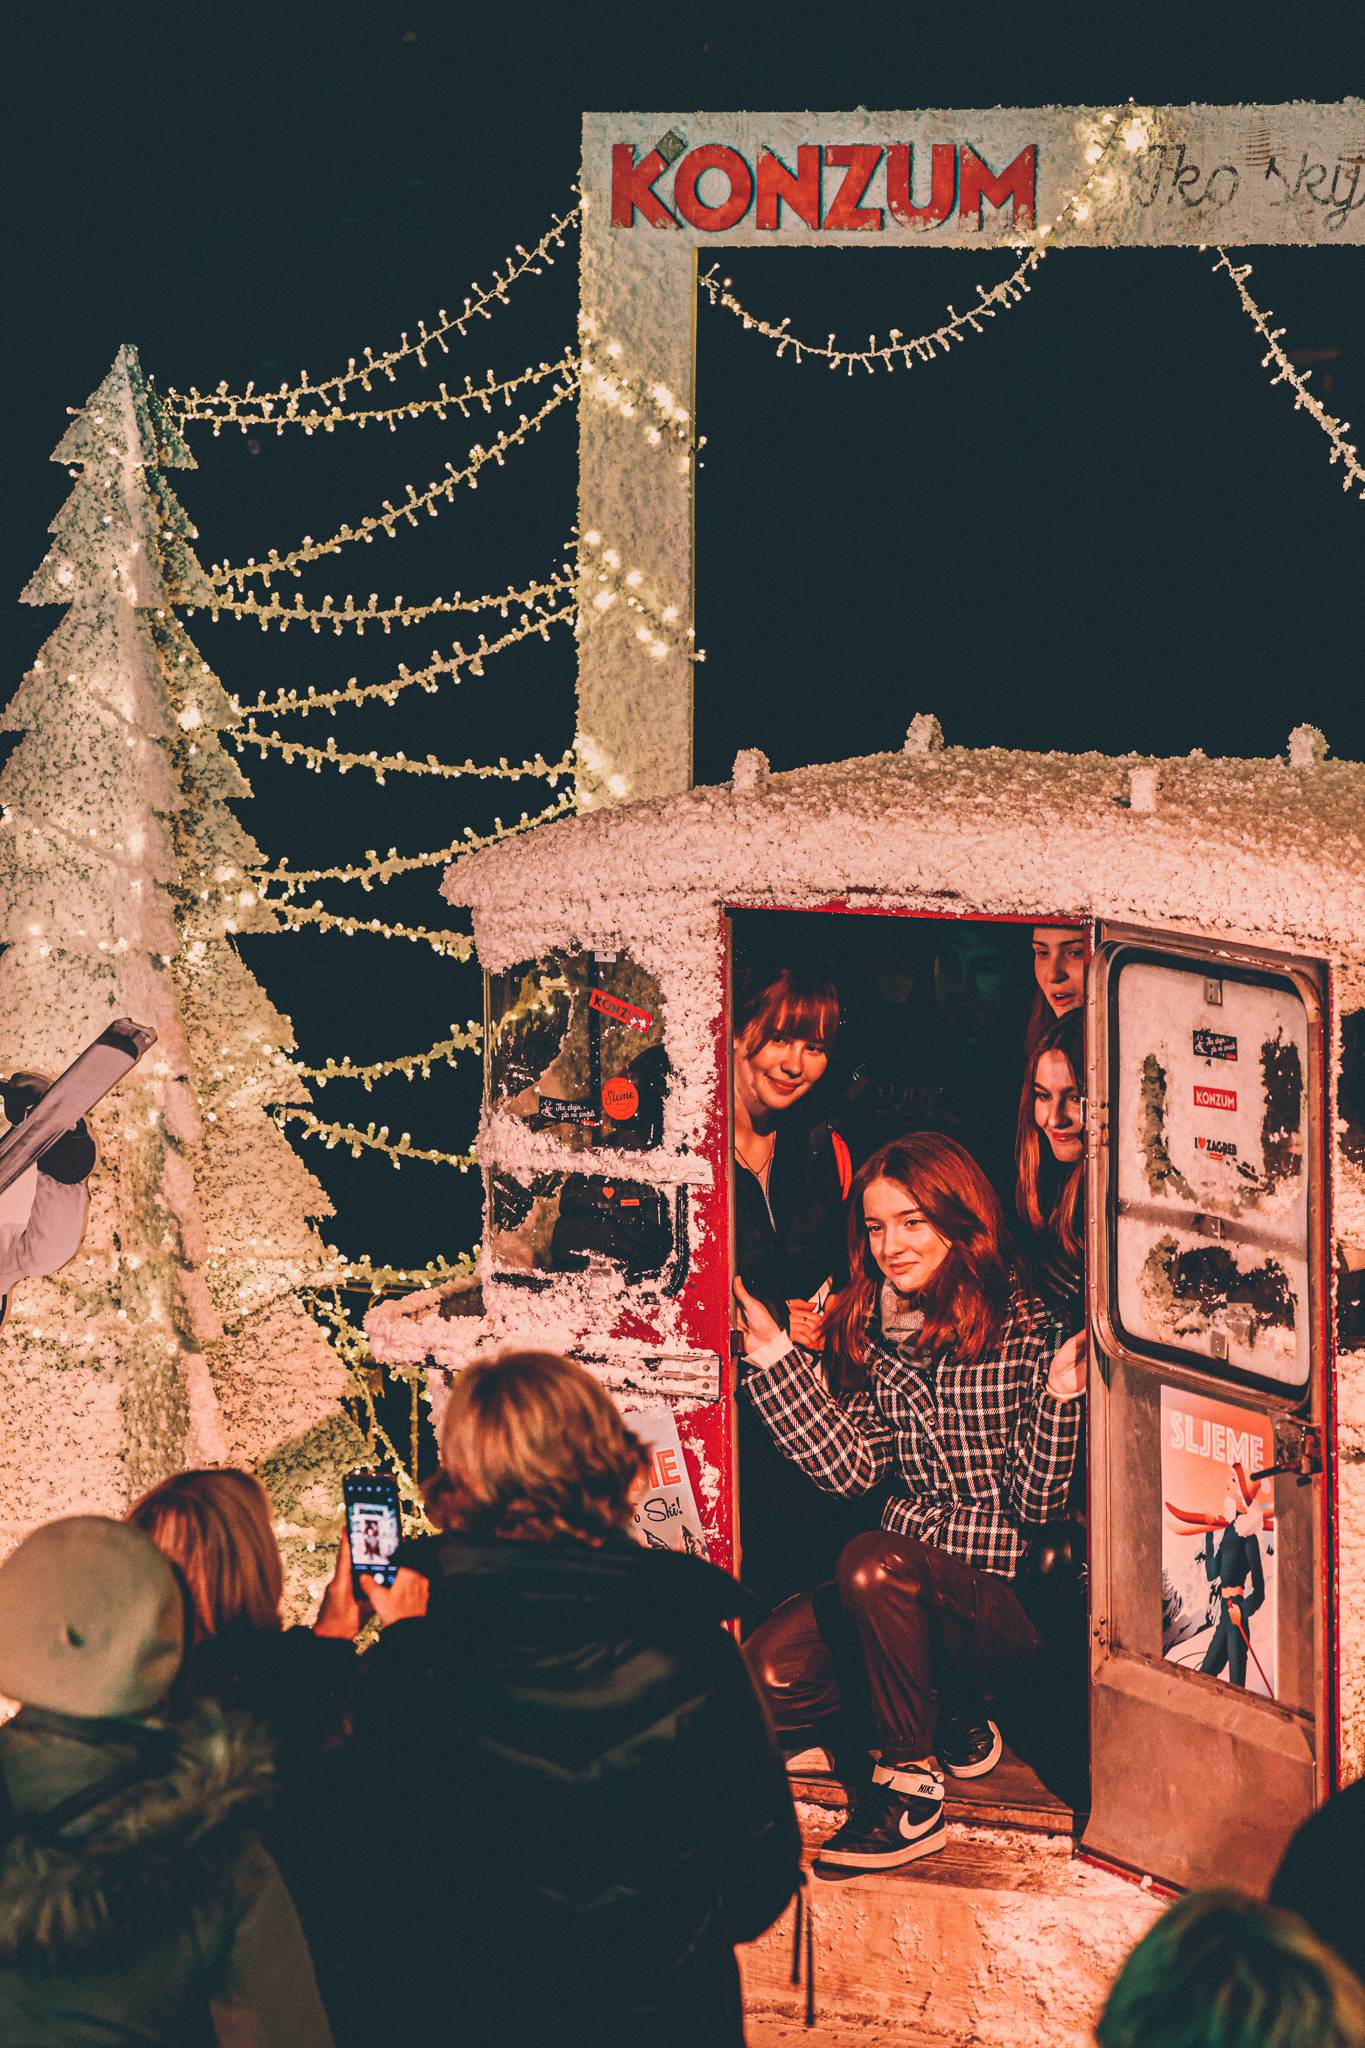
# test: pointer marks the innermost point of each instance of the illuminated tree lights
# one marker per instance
(122, 874)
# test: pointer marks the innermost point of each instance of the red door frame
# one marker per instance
(708, 1432)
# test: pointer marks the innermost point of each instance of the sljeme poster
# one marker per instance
(1218, 1562)
(666, 1516)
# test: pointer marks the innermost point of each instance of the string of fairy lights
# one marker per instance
(428, 500)
(466, 399)
(1284, 372)
(235, 408)
(1129, 133)
(459, 661)
(383, 765)
(349, 616)
(411, 1065)
(384, 868)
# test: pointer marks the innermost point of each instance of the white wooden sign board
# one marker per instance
(661, 189)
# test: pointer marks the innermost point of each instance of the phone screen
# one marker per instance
(374, 1523)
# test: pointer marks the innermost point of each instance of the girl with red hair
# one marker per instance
(943, 1376)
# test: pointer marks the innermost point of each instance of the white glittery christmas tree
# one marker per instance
(177, 1335)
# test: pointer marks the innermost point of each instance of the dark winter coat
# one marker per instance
(151, 1917)
(790, 1240)
(787, 1243)
(570, 1803)
(1315, 1881)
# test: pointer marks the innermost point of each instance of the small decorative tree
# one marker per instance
(177, 1334)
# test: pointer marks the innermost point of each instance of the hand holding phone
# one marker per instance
(374, 1527)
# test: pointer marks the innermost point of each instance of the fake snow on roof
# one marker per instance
(1270, 850)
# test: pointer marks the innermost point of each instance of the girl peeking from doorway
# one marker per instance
(1049, 1155)
(945, 1382)
(792, 1172)
(1059, 970)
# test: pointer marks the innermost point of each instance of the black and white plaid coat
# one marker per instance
(978, 1454)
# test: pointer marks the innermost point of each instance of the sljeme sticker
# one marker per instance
(620, 1098)
(1214, 1045)
(1215, 1098)
(622, 1011)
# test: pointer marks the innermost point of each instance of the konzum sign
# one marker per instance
(833, 187)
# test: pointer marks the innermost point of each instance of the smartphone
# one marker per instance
(374, 1523)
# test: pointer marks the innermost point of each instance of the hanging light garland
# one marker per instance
(459, 661)
(463, 402)
(1343, 451)
(364, 1275)
(375, 868)
(429, 500)
(382, 765)
(355, 1354)
(276, 613)
(296, 917)
(225, 406)
(660, 626)
(463, 1038)
(371, 1139)
(1130, 133)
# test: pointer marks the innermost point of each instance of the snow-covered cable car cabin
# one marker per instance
(1223, 907)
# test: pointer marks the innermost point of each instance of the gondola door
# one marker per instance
(1210, 1566)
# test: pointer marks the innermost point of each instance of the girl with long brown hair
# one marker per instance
(943, 1376)
(792, 1171)
(1049, 1155)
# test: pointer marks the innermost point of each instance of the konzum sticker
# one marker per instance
(1215, 1098)
(622, 1011)
(1214, 1045)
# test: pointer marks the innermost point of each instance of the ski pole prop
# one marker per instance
(73, 1095)
(1270, 1690)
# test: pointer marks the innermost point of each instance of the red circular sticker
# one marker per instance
(620, 1099)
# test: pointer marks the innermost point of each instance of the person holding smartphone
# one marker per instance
(561, 1775)
(294, 1685)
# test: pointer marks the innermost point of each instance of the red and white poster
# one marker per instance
(666, 1517)
(1218, 1558)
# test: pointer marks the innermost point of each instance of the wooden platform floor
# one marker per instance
(1004, 1938)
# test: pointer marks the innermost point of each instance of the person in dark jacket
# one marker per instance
(138, 1908)
(215, 1527)
(292, 1685)
(792, 1174)
(1221, 1970)
(566, 1798)
(1314, 1881)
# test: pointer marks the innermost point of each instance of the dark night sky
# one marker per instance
(1096, 526)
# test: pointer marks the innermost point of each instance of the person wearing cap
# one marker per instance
(137, 1905)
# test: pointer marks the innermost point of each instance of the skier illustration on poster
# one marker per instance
(1233, 1566)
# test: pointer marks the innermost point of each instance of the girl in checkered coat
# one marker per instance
(943, 1376)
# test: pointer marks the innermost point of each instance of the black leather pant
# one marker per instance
(902, 1625)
